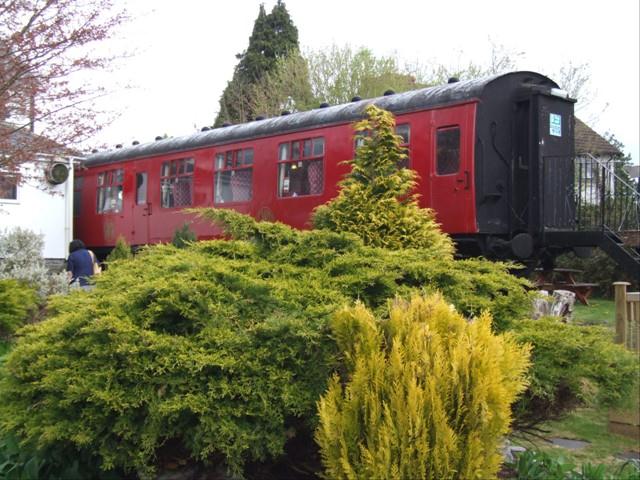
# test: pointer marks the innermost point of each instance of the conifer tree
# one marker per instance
(274, 37)
(424, 394)
(375, 201)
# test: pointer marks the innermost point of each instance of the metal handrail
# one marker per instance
(604, 200)
(610, 170)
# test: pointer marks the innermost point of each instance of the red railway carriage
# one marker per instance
(483, 149)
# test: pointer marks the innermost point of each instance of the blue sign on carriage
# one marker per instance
(555, 125)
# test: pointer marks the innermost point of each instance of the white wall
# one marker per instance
(42, 208)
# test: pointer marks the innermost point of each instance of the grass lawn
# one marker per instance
(600, 311)
(588, 425)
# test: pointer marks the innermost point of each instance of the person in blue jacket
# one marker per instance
(80, 264)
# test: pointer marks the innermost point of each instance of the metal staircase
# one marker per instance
(608, 201)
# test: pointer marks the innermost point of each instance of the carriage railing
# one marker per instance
(606, 198)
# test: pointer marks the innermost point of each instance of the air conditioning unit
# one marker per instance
(57, 173)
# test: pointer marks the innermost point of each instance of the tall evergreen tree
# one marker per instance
(274, 37)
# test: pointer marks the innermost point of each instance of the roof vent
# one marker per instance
(226, 124)
(205, 129)
(453, 80)
(119, 145)
(260, 117)
(356, 99)
(389, 92)
(135, 142)
(285, 112)
(158, 138)
(324, 105)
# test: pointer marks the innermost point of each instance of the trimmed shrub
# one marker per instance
(18, 301)
(121, 251)
(426, 394)
(572, 365)
(183, 236)
(221, 348)
(373, 275)
(375, 201)
(224, 357)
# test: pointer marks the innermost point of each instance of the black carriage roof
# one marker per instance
(413, 100)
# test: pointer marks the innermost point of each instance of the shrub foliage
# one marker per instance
(222, 346)
(121, 251)
(21, 259)
(18, 300)
(375, 201)
(427, 394)
(572, 365)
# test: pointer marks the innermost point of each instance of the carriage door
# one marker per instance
(451, 172)
(141, 206)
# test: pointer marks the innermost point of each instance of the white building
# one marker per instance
(42, 202)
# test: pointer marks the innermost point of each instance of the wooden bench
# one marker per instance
(563, 279)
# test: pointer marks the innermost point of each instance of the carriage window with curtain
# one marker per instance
(233, 179)
(176, 183)
(141, 188)
(109, 191)
(448, 150)
(300, 167)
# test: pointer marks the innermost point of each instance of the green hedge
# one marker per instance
(222, 346)
(18, 301)
(572, 365)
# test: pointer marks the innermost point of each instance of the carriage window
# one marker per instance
(109, 194)
(402, 130)
(300, 170)
(176, 181)
(448, 150)
(141, 188)
(233, 180)
(8, 187)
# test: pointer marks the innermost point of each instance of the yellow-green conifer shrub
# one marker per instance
(121, 251)
(375, 201)
(426, 395)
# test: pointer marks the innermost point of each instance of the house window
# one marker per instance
(233, 180)
(176, 182)
(141, 188)
(8, 186)
(109, 194)
(300, 167)
(448, 150)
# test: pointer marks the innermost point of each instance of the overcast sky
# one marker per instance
(184, 52)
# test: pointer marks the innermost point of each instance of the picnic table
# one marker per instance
(564, 279)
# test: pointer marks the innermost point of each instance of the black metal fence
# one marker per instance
(605, 196)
